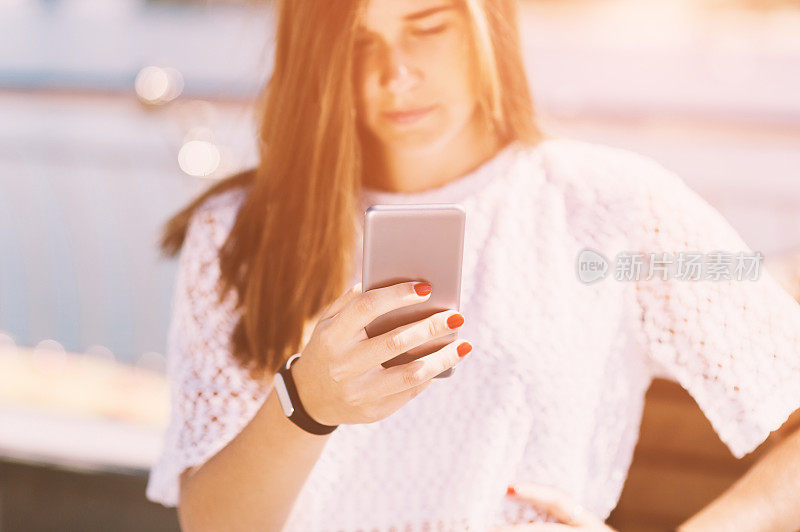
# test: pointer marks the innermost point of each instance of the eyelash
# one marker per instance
(430, 31)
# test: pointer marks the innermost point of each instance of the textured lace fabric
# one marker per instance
(553, 390)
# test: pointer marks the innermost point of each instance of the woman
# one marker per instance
(383, 101)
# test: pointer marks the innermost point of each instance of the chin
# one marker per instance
(413, 140)
(414, 143)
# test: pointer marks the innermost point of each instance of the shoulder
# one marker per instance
(615, 183)
(214, 218)
(222, 208)
(603, 172)
(620, 191)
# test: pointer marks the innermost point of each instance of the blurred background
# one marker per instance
(113, 114)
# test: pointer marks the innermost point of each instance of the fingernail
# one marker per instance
(463, 348)
(422, 289)
(511, 491)
(456, 320)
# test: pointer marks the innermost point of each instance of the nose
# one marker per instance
(399, 77)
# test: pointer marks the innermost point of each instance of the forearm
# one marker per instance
(252, 483)
(767, 497)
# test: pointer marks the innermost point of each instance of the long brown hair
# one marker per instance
(288, 253)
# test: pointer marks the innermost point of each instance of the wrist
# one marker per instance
(305, 392)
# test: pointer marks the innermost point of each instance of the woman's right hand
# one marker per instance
(339, 376)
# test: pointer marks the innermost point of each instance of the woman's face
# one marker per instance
(413, 55)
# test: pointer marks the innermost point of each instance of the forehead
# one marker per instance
(377, 12)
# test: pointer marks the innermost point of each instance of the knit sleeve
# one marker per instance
(212, 397)
(731, 339)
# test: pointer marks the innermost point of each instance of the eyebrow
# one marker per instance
(422, 14)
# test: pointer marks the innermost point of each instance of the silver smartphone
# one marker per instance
(414, 242)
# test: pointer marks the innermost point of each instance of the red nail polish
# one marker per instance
(511, 491)
(463, 348)
(422, 289)
(456, 320)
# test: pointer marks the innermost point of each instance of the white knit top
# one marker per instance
(553, 390)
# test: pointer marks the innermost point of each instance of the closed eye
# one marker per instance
(366, 41)
(431, 31)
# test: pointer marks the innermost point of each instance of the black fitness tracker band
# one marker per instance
(290, 400)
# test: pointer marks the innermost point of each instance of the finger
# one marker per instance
(395, 401)
(553, 501)
(398, 378)
(365, 307)
(337, 305)
(370, 352)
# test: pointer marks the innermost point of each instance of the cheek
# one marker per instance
(449, 73)
(366, 87)
(366, 82)
(369, 100)
(449, 64)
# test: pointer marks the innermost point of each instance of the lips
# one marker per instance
(410, 115)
